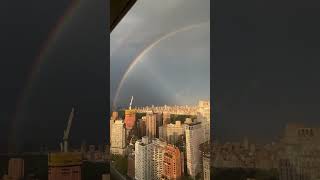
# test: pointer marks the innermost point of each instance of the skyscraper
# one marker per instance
(193, 140)
(174, 132)
(203, 116)
(159, 123)
(205, 149)
(130, 118)
(118, 140)
(162, 133)
(151, 125)
(143, 159)
(165, 118)
(16, 168)
(158, 150)
(141, 127)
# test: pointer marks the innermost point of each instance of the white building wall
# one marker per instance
(193, 140)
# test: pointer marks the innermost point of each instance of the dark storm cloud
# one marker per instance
(73, 73)
(265, 67)
(22, 33)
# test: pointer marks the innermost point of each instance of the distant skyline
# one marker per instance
(169, 52)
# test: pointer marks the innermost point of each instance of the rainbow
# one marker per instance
(39, 61)
(146, 50)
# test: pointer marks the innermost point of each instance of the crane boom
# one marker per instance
(64, 144)
(66, 132)
(131, 102)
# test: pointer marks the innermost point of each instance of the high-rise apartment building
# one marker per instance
(172, 163)
(193, 140)
(159, 122)
(166, 117)
(16, 168)
(118, 137)
(300, 157)
(162, 132)
(141, 124)
(158, 150)
(143, 159)
(151, 125)
(203, 116)
(130, 118)
(174, 132)
(206, 166)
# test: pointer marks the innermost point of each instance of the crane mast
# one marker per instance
(130, 102)
(64, 145)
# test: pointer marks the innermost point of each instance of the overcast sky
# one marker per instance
(176, 70)
(72, 72)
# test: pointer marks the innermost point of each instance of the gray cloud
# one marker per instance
(161, 75)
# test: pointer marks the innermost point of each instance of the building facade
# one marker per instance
(130, 118)
(193, 140)
(118, 137)
(16, 168)
(64, 166)
(143, 159)
(175, 132)
(158, 151)
(172, 163)
(151, 125)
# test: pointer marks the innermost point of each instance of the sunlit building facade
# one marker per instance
(130, 118)
(193, 140)
(158, 151)
(151, 125)
(174, 132)
(172, 163)
(64, 166)
(143, 159)
(118, 137)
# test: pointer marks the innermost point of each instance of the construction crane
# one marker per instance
(64, 145)
(131, 102)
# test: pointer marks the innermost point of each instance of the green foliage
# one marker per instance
(140, 115)
(182, 118)
(121, 114)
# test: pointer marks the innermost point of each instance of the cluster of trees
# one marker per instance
(140, 115)
(182, 118)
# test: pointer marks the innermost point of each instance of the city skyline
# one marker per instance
(161, 142)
